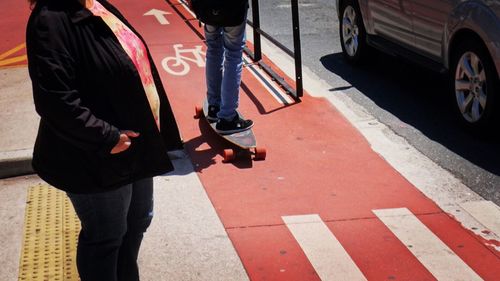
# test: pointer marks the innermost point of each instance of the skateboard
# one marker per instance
(244, 141)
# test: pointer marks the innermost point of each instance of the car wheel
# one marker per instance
(352, 31)
(475, 85)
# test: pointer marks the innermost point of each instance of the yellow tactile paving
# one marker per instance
(50, 235)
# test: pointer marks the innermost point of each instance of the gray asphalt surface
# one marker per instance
(411, 100)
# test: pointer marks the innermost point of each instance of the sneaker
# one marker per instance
(234, 126)
(212, 113)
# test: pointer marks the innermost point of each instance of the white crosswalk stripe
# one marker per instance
(438, 258)
(324, 251)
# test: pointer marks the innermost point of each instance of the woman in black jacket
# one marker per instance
(106, 126)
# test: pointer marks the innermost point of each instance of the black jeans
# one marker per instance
(113, 225)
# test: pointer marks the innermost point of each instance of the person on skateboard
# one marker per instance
(225, 37)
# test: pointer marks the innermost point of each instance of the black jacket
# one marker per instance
(86, 89)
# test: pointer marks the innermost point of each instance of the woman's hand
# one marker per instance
(124, 142)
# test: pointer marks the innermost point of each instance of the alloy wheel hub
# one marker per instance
(470, 92)
(350, 31)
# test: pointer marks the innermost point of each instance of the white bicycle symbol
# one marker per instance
(177, 65)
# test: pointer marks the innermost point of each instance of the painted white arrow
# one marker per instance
(160, 15)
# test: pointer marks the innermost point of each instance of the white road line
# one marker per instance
(440, 260)
(288, 6)
(324, 251)
(186, 8)
(486, 212)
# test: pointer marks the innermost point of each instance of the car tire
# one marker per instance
(475, 86)
(352, 32)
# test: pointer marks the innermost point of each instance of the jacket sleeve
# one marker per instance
(55, 92)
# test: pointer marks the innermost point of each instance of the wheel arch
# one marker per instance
(471, 21)
(363, 7)
(460, 36)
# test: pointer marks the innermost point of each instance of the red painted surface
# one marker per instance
(13, 18)
(317, 163)
(377, 252)
(271, 253)
(485, 261)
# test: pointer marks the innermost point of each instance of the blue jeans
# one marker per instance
(113, 225)
(224, 65)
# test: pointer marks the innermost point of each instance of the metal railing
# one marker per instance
(296, 54)
(256, 55)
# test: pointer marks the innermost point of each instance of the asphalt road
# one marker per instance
(412, 101)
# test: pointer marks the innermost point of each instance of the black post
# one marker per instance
(297, 49)
(256, 28)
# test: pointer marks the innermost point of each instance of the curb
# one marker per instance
(18, 162)
(15, 163)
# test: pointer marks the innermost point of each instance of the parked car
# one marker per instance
(457, 37)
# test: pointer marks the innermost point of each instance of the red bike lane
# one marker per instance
(317, 163)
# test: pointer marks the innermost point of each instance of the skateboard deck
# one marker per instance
(244, 140)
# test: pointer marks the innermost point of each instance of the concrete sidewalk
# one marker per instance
(186, 240)
(19, 122)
